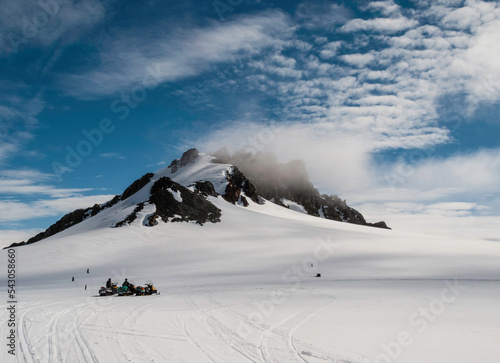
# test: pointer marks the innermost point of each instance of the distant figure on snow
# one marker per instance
(108, 284)
(126, 283)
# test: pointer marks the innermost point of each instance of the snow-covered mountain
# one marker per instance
(245, 289)
(179, 193)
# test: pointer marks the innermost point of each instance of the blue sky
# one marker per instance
(393, 105)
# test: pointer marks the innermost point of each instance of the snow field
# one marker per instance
(244, 290)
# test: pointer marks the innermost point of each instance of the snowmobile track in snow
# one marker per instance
(277, 343)
(24, 346)
(80, 340)
(54, 344)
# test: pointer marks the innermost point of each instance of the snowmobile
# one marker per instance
(150, 289)
(139, 290)
(103, 291)
(106, 291)
(126, 290)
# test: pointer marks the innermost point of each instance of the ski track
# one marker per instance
(209, 327)
(137, 316)
(54, 353)
(231, 338)
(277, 342)
(199, 344)
(24, 345)
(81, 341)
(127, 336)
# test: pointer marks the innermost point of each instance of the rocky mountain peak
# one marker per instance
(187, 158)
(242, 178)
(288, 185)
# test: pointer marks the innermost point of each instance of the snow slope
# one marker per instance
(244, 290)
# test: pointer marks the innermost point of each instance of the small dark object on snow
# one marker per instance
(318, 275)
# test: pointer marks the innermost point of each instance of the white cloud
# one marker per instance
(27, 23)
(358, 60)
(12, 210)
(18, 118)
(477, 173)
(174, 55)
(7, 237)
(30, 182)
(323, 15)
(386, 8)
(330, 50)
(17, 185)
(112, 156)
(25, 187)
(382, 25)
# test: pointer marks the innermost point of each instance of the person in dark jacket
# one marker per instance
(130, 286)
(108, 284)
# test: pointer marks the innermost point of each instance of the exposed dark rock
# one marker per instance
(151, 220)
(277, 181)
(131, 217)
(188, 157)
(65, 222)
(193, 207)
(238, 183)
(380, 224)
(137, 185)
(205, 188)
(336, 209)
(112, 202)
(95, 209)
(79, 215)
(17, 244)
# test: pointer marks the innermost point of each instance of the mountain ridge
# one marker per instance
(181, 192)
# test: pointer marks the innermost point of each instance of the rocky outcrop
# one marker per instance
(252, 177)
(137, 185)
(64, 223)
(380, 224)
(205, 188)
(131, 217)
(175, 203)
(188, 157)
(280, 182)
(239, 188)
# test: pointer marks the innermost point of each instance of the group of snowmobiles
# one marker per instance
(127, 289)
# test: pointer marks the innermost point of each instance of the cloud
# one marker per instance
(330, 50)
(322, 15)
(31, 182)
(25, 187)
(358, 60)
(25, 195)
(112, 156)
(387, 97)
(18, 119)
(382, 25)
(30, 174)
(477, 173)
(458, 195)
(386, 8)
(12, 210)
(7, 237)
(170, 55)
(27, 23)
(426, 219)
